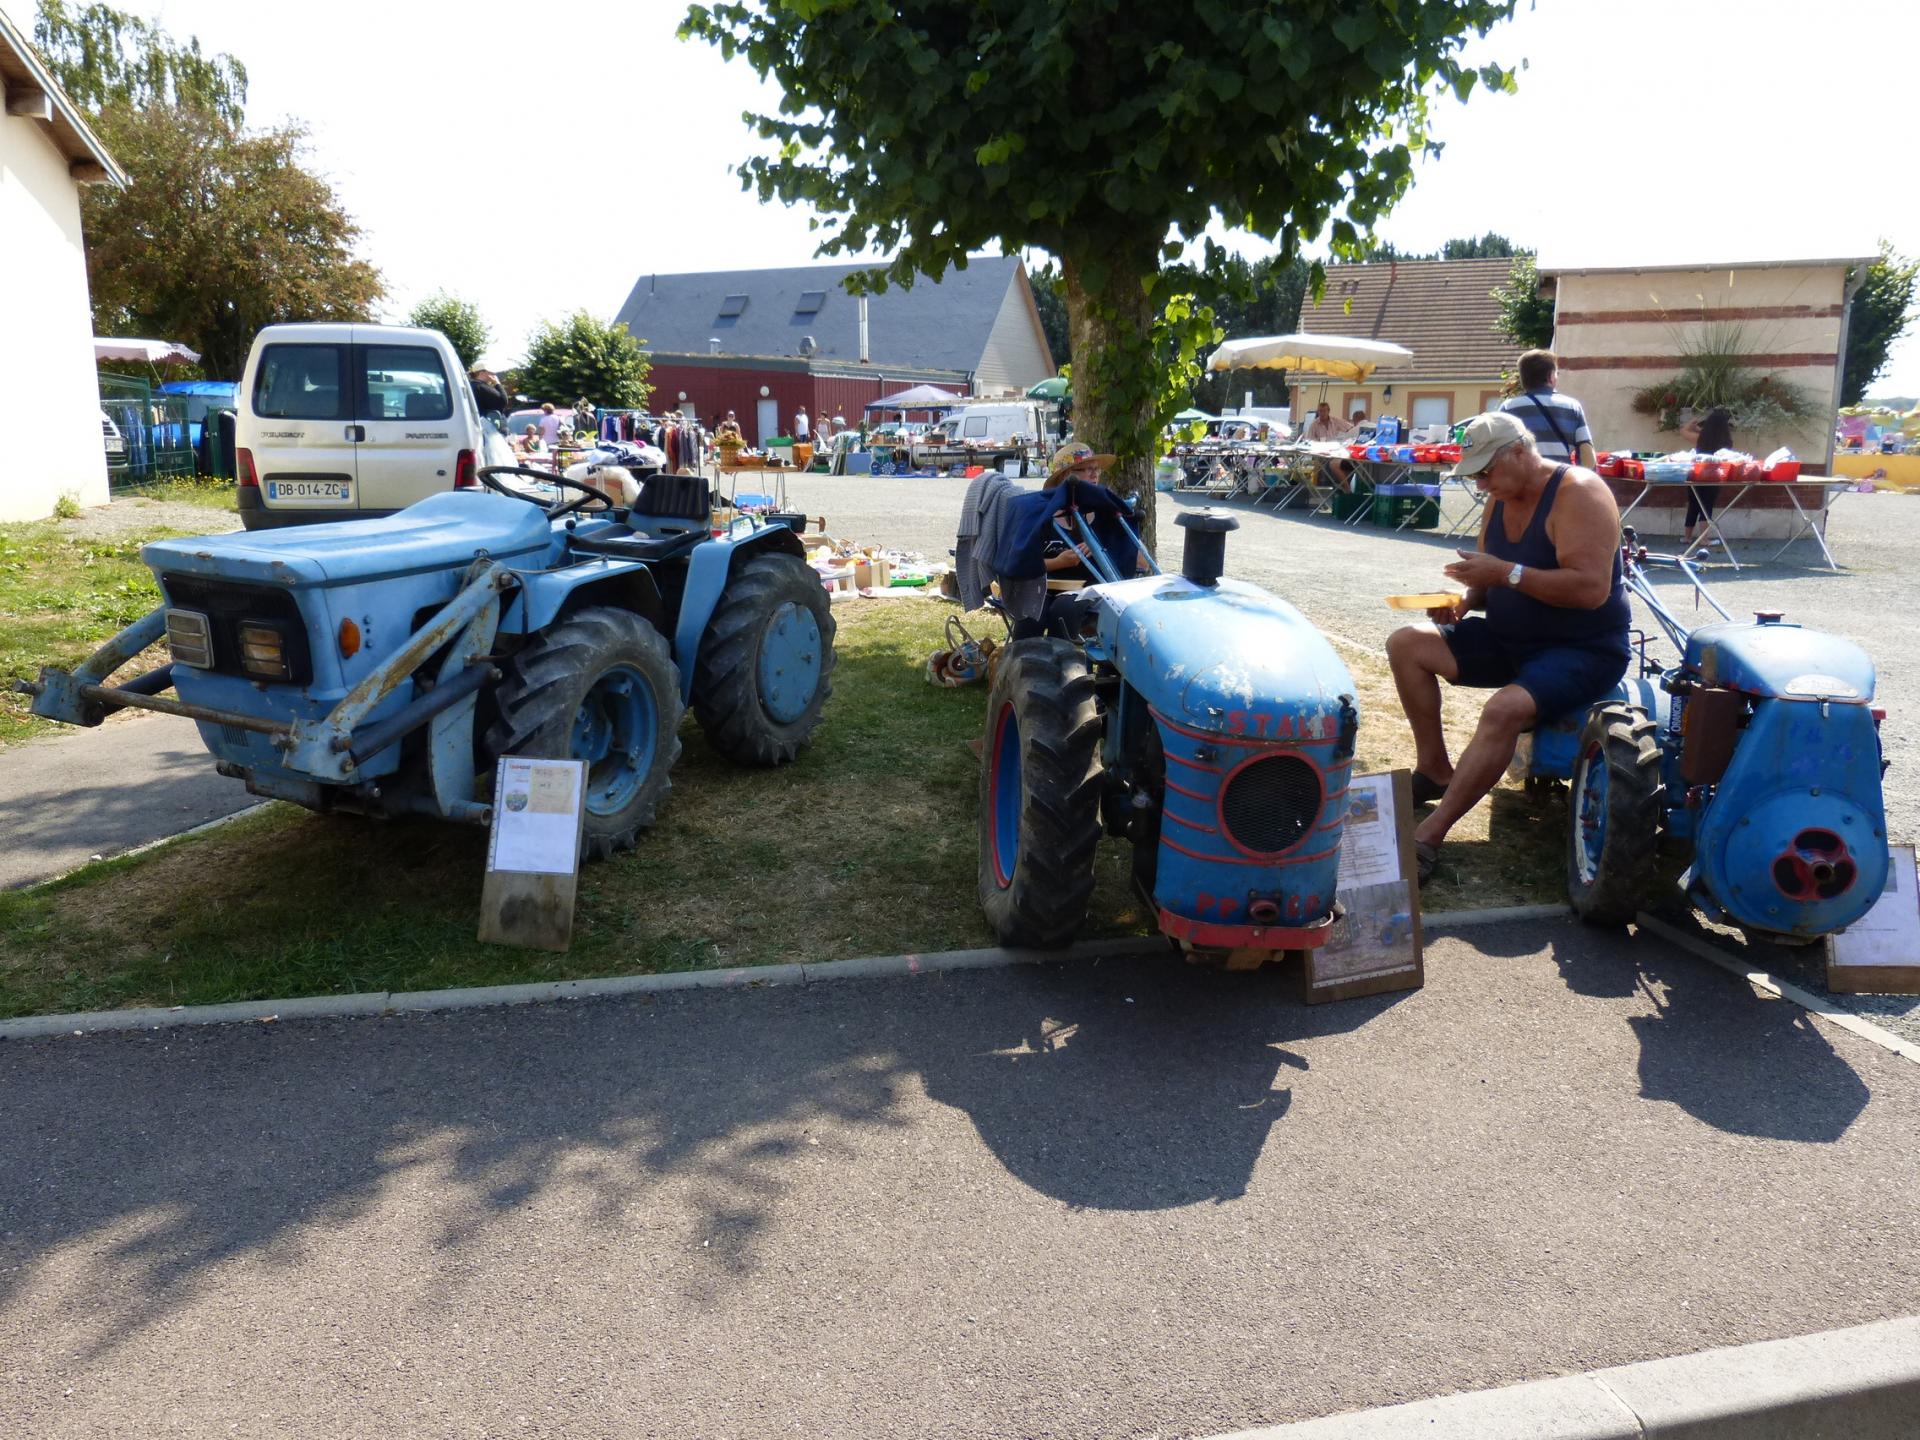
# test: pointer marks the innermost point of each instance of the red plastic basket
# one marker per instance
(1784, 471)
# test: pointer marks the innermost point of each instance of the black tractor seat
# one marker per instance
(625, 543)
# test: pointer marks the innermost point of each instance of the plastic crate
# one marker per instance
(1389, 511)
(1346, 506)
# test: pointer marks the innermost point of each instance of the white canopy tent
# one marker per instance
(1338, 357)
(154, 352)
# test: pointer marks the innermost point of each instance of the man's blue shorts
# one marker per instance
(1561, 678)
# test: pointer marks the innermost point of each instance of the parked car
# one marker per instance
(341, 422)
(110, 433)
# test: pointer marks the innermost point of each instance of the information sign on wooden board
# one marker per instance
(1376, 946)
(1879, 954)
(533, 853)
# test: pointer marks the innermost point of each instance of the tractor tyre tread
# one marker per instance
(726, 694)
(1051, 689)
(541, 691)
(1628, 867)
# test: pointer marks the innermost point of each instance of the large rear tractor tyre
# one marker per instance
(1615, 808)
(1039, 795)
(763, 674)
(600, 686)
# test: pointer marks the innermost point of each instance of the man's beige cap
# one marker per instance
(1485, 435)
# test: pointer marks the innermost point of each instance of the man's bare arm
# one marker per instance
(1585, 530)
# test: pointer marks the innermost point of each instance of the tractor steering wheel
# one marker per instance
(545, 477)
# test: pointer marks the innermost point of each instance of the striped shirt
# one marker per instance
(1528, 410)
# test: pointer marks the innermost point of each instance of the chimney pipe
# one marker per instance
(864, 360)
(1205, 556)
(713, 344)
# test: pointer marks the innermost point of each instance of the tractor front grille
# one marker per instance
(1271, 803)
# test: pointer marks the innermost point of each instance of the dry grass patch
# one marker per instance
(866, 845)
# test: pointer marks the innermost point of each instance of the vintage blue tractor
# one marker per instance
(1759, 751)
(382, 666)
(1200, 718)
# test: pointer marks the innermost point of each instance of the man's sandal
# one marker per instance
(1426, 859)
(1427, 790)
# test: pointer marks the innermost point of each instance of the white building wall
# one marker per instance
(49, 396)
(1015, 357)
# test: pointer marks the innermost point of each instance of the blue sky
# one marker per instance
(499, 155)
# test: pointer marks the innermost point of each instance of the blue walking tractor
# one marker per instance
(382, 666)
(1759, 753)
(1200, 718)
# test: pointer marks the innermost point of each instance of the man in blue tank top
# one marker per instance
(1553, 639)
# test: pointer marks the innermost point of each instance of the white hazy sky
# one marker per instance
(1645, 131)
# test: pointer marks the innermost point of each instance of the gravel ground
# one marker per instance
(131, 514)
(1338, 575)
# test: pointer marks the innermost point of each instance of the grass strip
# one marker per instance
(864, 846)
(68, 585)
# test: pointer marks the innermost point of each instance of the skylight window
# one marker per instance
(733, 305)
(810, 302)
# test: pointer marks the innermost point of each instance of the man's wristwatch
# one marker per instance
(1513, 575)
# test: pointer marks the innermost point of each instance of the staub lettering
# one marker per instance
(427, 435)
(283, 434)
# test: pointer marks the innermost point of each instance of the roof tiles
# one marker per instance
(1442, 310)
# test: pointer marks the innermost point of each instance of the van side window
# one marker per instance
(402, 382)
(301, 382)
(977, 428)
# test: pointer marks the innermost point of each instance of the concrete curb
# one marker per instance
(871, 967)
(1861, 1383)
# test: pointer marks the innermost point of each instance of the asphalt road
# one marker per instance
(1126, 1199)
(67, 798)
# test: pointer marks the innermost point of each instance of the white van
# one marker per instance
(343, 422)
(1000, 422)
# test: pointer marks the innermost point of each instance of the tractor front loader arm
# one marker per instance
(331, 748)
(78, 696)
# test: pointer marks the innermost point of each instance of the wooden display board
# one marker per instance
(1376, 946)
(1879, 954)
(533, 853)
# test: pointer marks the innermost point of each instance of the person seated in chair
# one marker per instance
(1553, 640)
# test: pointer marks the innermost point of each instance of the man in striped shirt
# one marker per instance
(1558, 424)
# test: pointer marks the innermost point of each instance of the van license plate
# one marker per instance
(324, 492)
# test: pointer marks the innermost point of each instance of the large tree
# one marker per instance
(1526, 315)
(221, 229)
(1881, 310)
(459, 320)
(584, 357)
(1105, 132)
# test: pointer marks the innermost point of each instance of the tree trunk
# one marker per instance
(1106, 327)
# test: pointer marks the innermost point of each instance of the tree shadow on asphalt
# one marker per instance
(1740, 1061)
(138, 1164)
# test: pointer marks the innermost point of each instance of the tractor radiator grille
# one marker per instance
(1271, 804)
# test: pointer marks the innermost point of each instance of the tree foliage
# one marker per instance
(582, 356)
(1526, 316)
(1881, 311)
(220, 229)
(1050, 299)
(1106, 133)
(106, 59)
(220, 233)
(458, 320)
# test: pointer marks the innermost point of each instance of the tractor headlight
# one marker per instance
(263, 650)
(190, 639)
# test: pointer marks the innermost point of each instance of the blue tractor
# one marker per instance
(381, 667)
(1759, 752)
(1200, 718)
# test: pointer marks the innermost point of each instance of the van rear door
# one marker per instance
(302, 432)
(411, 423)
